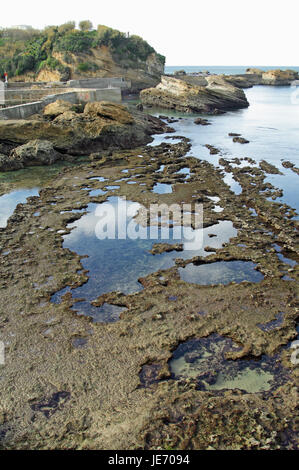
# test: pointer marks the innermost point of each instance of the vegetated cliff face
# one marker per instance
(60, 53)
(101, 63)
(216, 95)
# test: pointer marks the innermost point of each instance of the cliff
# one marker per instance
(61, 53)
(102, 63)
(213, 96)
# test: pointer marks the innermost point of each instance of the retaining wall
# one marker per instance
(99, 83)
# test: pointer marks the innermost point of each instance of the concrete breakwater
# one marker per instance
(22, 99)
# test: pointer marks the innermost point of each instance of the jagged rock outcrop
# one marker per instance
(173, 93)
(101, 126)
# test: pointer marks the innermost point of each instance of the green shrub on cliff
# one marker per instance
(122, 45)
(75, 41)
(87, 66)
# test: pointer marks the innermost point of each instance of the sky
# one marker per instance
(190, 32)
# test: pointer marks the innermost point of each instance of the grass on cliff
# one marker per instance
(24, 50)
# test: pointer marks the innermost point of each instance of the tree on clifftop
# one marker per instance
(85, 25)
(69, 26)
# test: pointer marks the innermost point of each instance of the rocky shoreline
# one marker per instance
(67, 382)
(64, 131)
(253, 76)
(211, 94)
(71, 382)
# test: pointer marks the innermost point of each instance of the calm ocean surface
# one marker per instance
(270, 123)
(219, 69)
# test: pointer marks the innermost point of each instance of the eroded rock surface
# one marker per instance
(71, 383)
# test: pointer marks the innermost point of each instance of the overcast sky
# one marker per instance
(187, 32)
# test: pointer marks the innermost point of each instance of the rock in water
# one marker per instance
(201, 122)
(279, 77)
(240, 140)
(216, 95)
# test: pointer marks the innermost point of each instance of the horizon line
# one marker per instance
(228, 65)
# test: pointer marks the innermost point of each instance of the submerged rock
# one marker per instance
(173, 93)
(269, 168)
(213, 150)
(240, 140)
(202, 122)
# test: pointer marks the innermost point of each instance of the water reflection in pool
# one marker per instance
(116, 264)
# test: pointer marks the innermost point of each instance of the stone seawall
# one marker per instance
(74, 96)
(21, 96)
